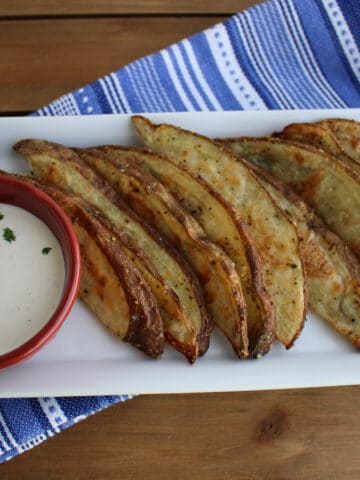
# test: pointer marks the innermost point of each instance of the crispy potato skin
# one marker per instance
(99, 286)
(332, 271)
(155, 204)
(348, 134)
(191, 301)
(142, 331)
(224, 228)
(111, 286)
(275, 238)
(188, 331)
(319, 137)
(242, 218)
(330, 187)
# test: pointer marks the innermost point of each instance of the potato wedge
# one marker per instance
(178, 291)
(274, 237)
(111, 286)
(319, 137)
(225, 229)
(332, 271)
(348, 134)
(323, 181)
(157, 206)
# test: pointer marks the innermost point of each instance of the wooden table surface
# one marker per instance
(49, 47)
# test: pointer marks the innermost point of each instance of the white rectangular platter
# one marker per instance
(84, 359)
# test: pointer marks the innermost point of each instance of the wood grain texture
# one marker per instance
(280, 435)
(43, 59)
(10, 8)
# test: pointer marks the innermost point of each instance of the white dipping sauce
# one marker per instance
(31, 281)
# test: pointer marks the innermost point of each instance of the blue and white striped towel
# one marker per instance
(282, 54)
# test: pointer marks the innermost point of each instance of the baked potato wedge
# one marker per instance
(323, 181)
(111, 286)
(332, 271)
(275, 238)
(319, 137)
(159, 208)
(225, 229)
(187, 323)
(347, 132)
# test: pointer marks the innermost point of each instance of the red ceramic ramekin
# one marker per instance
(20, 193)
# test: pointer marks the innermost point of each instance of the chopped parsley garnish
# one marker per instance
(9, 235)
(46, 250)
(1, 216)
